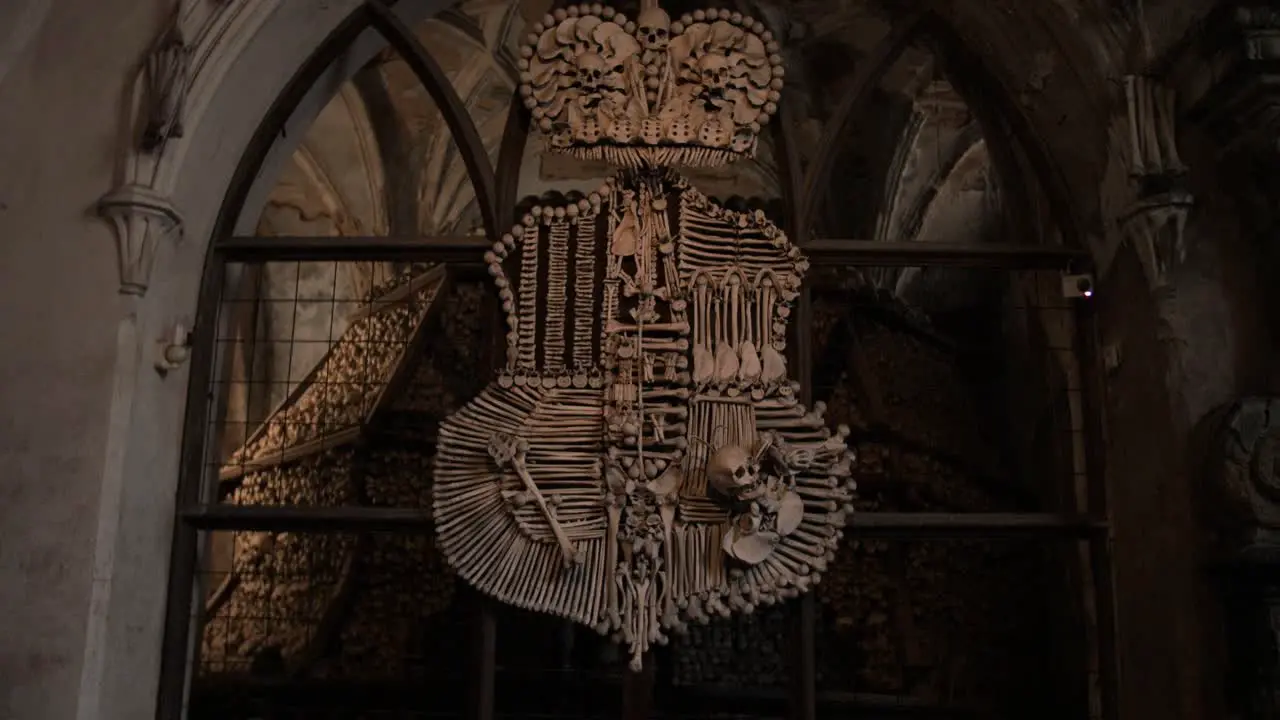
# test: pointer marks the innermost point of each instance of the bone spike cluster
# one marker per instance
(651, 92)
(280, 585)
(652, 467)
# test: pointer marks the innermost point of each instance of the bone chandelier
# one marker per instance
(642, 460)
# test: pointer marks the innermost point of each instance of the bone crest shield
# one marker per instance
(642, 460)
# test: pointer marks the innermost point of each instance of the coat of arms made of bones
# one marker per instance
(642, 460)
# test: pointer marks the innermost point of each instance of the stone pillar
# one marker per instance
(1244, 502)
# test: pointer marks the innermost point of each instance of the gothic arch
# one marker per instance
(1022, 147)
(1061, 123)
(262, 68)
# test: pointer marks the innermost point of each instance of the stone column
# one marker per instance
(1244, 500)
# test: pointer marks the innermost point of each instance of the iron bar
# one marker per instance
(484, 660)
(824, 252)
(456, 249)
(176, 647)
(288, 518)
(1101, 557)
(831, 252)
(354, 518)
(945, 525)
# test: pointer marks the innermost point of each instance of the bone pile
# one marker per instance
(908, 366)
(285, 594)
(342, 391)
(280, 584)
(442, 382)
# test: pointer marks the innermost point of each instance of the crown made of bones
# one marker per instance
(651, 92)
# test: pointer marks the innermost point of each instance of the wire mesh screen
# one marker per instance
(961, 388)
(309, 355)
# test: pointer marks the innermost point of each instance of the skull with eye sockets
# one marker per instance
(654, 29)
(591, 77)
(732, 471)
(712, 74)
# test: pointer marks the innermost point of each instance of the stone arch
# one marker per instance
(250, 59)
(973, 40)
(1051, 87)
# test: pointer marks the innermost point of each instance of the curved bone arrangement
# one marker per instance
(642, 460)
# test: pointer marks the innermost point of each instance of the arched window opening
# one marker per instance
(944, 321)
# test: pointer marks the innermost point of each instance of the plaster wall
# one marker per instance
(61, 334)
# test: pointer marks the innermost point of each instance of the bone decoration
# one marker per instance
(641, 460)
(654, 466)
(651, 91)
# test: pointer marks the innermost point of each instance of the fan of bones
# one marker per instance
(642, 460)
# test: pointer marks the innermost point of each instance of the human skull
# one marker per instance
(654, 29)
(732, 470)
(713, 71)
(590, 73)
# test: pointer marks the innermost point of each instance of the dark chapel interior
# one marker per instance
(954, 318)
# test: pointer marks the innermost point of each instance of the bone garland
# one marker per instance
(557, 295)
(522, 322)
(651, 93)
(584, 282)
(531, 246)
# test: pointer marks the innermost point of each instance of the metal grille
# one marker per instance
(321, 589)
